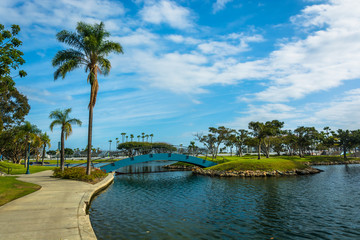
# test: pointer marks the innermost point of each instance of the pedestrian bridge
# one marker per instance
(111, 167)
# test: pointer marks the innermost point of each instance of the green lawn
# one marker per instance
(11, 188)
(20, 169)
(281, 163)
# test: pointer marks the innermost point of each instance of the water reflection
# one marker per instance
(146, 167)
(179, 205)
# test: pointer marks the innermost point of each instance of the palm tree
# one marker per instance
(45, 140)
(89, 49)
(123, 136)
(29, 133)
(110, 141)
(143, 136)
(151, 137)
(138, 137)
(131, 137)
(62, 118)
(127, 137)
(147, 137)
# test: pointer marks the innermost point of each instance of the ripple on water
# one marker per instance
(178, 205)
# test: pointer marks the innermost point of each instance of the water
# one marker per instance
(178, 205)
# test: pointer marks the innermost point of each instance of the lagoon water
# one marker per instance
(179, 205)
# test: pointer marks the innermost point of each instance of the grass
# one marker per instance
(281, 163)
(20, 169)
(11, 189)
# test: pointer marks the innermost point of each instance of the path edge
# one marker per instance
(85, 228)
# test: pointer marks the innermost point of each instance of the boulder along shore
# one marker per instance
(256, 173)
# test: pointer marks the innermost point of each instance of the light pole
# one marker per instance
(28, 160)
(110, 147)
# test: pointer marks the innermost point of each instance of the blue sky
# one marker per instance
(191, 64)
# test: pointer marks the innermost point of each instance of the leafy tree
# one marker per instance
(13, 105)
(305, 136)
(347, 139)
(68, 151)
(259, 133)
(89, 49)
(12, 147)
(241, 137)
(51, 152)
(209, 141)
(272, 129)
(63, 119)
(45, 140)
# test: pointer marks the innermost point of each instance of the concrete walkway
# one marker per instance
(56, 211)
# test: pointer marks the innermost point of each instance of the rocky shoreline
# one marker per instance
(332, 163)
(256, 173)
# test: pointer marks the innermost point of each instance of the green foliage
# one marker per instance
(14, 106)
(132, 149)
(78, 173)
(11, 189)
(51, 152)
(68, 151)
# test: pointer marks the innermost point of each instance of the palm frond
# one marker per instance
(66, 55)
(70, 38)
(108, 47)
(104, 65)
(54, 123)
(66, 67)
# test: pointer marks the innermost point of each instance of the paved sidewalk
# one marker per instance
(56, 211)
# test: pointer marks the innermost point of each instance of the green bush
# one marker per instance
(79, 173)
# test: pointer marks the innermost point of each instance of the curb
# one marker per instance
(85, 229)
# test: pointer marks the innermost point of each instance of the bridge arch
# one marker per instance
(156, 157)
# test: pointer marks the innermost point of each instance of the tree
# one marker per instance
(209, 141)
(28, 133)
(45, 140)
(241, 137)
(259, 132)
(131, 137)
(63, 119)
(89, 49)
(68, 151)
(138, 137)
(14, 106)
(305, 136)
(147, 137)
(346, 140)
(123, 136)
(151, 137)
(51, 152)
(272, 129)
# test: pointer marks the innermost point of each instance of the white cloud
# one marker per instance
(167, 12)
(220, 5)
(181, 39)
(61, 13)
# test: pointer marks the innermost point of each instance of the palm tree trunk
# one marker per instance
(259, 149)
(88, 163)
(62, 153)
(43, 155)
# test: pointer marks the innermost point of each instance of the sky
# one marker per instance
(192, 64)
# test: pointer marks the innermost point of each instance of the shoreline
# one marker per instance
(260, 173)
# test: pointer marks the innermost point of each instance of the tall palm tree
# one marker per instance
(138, 137)
(131, 137)
(127, 137)
(123, 136)
(147, 137)
(45, 140)
(89, 49)
(62, 119)
(143, 136)
(151, 137)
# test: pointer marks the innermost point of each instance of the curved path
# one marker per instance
(56, 211)
(155, 157)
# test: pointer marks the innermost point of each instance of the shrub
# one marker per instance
(79, 173)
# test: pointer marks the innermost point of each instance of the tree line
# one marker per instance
(270, 136)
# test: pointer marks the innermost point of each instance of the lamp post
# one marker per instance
(28, 160)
